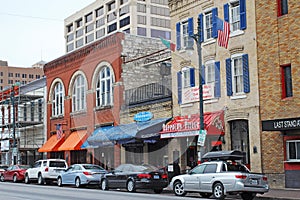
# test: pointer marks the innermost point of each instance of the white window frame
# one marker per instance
(186, 77)
(208, 25)
(185, 34)
(288, 150)
(237, 76)
(234, 16)
(79, 94)
(210, 76)
(58, 100)
(104, 87)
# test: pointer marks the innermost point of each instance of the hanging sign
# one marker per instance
(143, 116)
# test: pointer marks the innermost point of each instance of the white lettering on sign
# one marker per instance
(286, 124)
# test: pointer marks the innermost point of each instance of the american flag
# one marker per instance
(59, 131)
(223, 28)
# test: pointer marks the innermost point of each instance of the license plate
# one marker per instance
(156, 177)
(254, 182)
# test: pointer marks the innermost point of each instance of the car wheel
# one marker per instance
(77, 182)
(178, 189)
(130, 186)
(15, 179)
(205, 194)
(158, 191)
(104, 184)
(2, 178)
(218, 191)
(248, 195)
(40, 179)
(59, 182)
(27, 180)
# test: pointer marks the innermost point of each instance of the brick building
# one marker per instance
(278, 65)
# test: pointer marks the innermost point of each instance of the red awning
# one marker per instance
(52, 144)
(74, 141)
(189, 125)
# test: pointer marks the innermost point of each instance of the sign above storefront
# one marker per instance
(281, 124)
(143, 116)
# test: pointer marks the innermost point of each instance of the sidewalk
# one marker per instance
(280, 194)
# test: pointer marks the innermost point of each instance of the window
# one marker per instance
(159, 33)
(104, 90)
(237, 75)
(70, 28)
(79, 32)
(111, 17)
(141, 8)
(24, 75)
(111, 6)
(70, 37)
(37, 76)
(79, 23)
(208, 25)
(89, 38)
(235, 14)
(282, 7)
(100, 33)
(17, 75)
(112, 27)
(123, 2)
(210, 73)
(160, 11)
(58, 100)
(287, 84)
(100, 22)
(99, 11)
(124, 10)
(10, 74)
(79, 43)
(184, 30)
(79, 94)
(89, 17)
(210, 168)
(141, 31)
(89, 28)
(293, 150)
(141, 19)
(185, 79)
(124, 22)
(70, 47)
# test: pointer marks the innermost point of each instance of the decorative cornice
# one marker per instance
(209, 57)
(238, 49)
(185, 63)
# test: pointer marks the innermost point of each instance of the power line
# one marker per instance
(32, 17)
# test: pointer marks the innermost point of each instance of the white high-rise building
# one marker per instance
(150, 18)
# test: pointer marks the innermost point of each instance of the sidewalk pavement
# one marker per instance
(280, 194)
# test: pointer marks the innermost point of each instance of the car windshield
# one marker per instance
(93, 167)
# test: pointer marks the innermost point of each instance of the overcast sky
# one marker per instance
(33, 30)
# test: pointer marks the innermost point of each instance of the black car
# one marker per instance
(134, 177)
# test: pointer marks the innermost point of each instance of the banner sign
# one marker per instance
(191, 94)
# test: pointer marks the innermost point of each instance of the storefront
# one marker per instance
(182, 133)
(290, 134)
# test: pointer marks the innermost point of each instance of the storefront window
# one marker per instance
(240, 137)
(293, 150)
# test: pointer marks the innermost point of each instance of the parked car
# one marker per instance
(219, 176)
(45, 171)
(80, 175)
(134, 177)
(14, 173)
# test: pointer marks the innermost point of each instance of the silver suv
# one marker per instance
(45, 171)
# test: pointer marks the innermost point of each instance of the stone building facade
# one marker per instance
(278, 69)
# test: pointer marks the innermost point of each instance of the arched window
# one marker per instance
(58, 100)
(79, 94)
(104, 90)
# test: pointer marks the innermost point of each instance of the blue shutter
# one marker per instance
(228, 77)
(178, 36)
(192, 77)
(203, 74)
(214, 22)
(226, 12)
(179, 87)
(200, 18)
(243, 16)
(246, 74)
(217, 80)
(191, 33)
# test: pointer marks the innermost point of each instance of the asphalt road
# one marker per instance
(21, 191)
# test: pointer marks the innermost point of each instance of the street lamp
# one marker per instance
(202, 132)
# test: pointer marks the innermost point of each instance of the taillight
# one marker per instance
(265, 178)
(141, 176)
(241, 176)
(87, 173)
(164, 176)
(46, 169)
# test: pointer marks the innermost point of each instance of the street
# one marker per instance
(18, 191)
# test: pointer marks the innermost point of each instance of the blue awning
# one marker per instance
(99, 132)
(126, 132)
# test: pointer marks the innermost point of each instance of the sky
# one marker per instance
(33, 30)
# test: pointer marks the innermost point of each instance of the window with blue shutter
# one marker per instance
(191, 33)
(203, 74)
(214, 22)
(178, 36)
(228, 77)
(192, 77)
(246, 79)
(243, 16)
(217, 80)
(179, 87)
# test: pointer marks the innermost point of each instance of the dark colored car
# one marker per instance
(14, 173)
(134, 177)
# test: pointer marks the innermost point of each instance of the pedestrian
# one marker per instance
(176, 168)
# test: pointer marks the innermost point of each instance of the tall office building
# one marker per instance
(150, 18)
